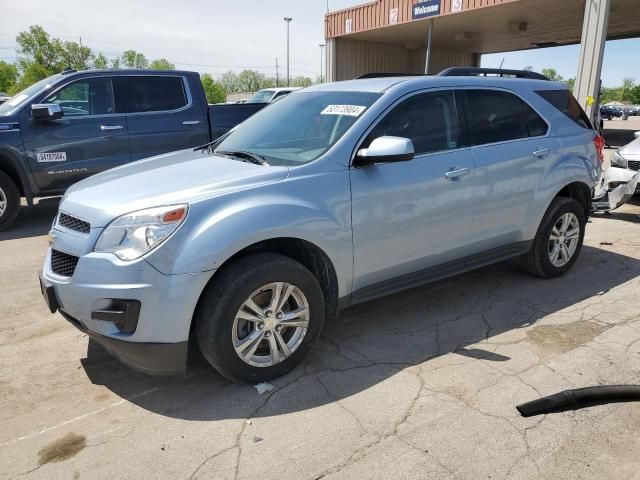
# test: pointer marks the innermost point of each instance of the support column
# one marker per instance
(594, 36)
(330, 60)
(428, 53)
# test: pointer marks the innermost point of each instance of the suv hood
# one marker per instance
(184, 176)
(631, 151)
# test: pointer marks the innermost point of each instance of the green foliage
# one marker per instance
(162, 64)
(35, 46)
(100, 62)
(214, 91)
(133, 59)
(552, 74)
(34, 72)
(8, 76)
(251, 81)
(301, 82)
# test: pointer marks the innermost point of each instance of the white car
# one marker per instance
(619, 182)
(268, 95)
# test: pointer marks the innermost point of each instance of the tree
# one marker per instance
(100, 62)
(214, 91)
(552, 74)
(133, 59)
(250, 81)
(634, 95)
(75, 56)
(571, 83)
(229, 80)
(115, 63)
(8, 76)
(34, 72)
(162, 64)
(627, 87)
(36, 47)
(301, 81)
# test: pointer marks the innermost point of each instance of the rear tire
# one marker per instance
(255, 346)
(9, 201)
(554, 250)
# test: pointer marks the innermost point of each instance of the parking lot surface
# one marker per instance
(422, 384)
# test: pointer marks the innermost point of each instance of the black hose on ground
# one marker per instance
(580, 398)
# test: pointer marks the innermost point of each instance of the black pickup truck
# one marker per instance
(75, 124)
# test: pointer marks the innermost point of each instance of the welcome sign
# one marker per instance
(425, 8)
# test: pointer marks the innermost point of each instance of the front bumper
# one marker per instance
(616, 188)
(157, 342)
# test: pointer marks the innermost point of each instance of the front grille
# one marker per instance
(73, 223)
(634, 164)
(63, 264)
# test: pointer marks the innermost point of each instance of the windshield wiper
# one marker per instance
(252, 157)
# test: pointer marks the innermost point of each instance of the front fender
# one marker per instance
(213, 233)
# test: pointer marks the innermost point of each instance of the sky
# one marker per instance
(215, 36)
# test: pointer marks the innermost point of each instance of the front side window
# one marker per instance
(261, 96)
(428, 119)
(299, 128)
(89, 96)
(495, 116)
(150, 93)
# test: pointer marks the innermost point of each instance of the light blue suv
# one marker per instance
(337, 194)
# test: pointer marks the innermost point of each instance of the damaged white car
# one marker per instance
(619, 182)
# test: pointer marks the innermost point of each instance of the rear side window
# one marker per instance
(428, 119)
(495, 116)
(150, 93)
(537, 126)
(564, 101)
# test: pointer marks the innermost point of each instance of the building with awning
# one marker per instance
(418, 36)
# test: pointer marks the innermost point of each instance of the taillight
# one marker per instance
(599, 143)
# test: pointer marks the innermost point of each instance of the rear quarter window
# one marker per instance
(564, 101)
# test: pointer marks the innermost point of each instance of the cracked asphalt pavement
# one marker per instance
(419, 385)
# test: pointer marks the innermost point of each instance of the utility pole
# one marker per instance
(288, 20)
(322, 45)
(277, 77)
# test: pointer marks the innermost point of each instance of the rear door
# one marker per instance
(512, 149)
(162, 114)
(89, 138)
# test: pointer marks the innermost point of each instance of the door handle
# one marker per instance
(543, 152)
(191, 122)
(104, 128)
(457, 173)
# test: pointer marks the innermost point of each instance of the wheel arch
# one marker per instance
(11, 166)
(304, 252)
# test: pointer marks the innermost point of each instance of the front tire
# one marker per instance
(558, 241)
(9, 201)
(259, 317)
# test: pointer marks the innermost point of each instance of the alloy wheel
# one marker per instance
(3, 202)
(270, 324)
(563, 240)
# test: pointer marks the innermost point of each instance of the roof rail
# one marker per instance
(478, 71)
(68, 70)
(386, 74)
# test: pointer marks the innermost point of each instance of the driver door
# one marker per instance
(413, 219)
(90, 137)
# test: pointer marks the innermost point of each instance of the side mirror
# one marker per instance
(46, 111)
(385, 150)
(636, 134)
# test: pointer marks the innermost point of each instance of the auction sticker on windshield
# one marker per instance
(350, 110)
(51, 157)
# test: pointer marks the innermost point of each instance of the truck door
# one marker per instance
(90, 137)
(162, 115)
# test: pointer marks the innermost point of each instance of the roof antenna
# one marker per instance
(502, 63)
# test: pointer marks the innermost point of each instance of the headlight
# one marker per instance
(134, 234)
(618, 161)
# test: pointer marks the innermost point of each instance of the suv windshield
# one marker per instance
(261, 96)
(300, 127)
(21, 97)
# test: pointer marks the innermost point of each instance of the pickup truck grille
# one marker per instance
(73, 223)
(63, 264)
(634, 164)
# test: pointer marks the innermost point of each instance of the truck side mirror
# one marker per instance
(46, 111)
(636, 134)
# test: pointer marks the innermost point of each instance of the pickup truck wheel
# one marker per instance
(259, 317)
(9, 201)
(558, 241)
